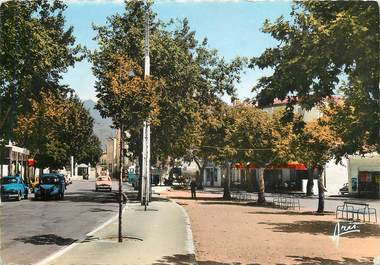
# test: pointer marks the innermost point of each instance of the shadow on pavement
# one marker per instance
(93, 197)
(208, 262)
(97, 210)
(320, 261)
(291, 213)
(147, 209)
(226, 202)
(189, 259)
(322, 227)
(178, 259)
(49, 239)
(217, 199)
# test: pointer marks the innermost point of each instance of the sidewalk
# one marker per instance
(160, 235)
(238, 232)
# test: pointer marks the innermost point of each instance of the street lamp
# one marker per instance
(145, 194)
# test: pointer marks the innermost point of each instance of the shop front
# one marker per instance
(277, 178)
(364, 176)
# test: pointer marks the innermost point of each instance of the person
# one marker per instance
(193, 185)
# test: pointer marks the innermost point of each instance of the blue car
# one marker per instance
(13, 187)
(51, 185)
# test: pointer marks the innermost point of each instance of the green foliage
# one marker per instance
(35, 48)
(190, 77)
(327, 47)
(57, 128)
(36, 111)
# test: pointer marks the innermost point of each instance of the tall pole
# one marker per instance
(146, 131)
(121, 162)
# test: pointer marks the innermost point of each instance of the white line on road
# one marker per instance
(64, 250)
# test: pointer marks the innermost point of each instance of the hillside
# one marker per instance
(102, 127)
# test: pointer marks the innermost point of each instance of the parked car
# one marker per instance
(51, 185)
(103, 183)
(13, 187)
(344, 189)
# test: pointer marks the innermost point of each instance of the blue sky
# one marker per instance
(232, 27)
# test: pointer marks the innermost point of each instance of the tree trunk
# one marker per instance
(261, 195)
(310, 183)
(227, 192)
(201, 172)
(321, 191)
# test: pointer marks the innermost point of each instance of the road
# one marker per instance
(31, 230)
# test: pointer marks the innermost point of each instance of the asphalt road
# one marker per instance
(32, 230)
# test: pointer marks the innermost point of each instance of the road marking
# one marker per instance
(64, 250)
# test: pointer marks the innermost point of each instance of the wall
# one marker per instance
(336, 176)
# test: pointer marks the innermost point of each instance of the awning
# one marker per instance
(294, 165)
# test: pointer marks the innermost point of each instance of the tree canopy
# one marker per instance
(36, 110)
(190, 78)
(327, 48)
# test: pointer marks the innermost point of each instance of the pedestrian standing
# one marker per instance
(193, 186)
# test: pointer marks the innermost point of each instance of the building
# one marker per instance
(364, 175)
(112, 156)
(212, 175)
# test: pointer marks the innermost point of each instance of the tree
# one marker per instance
(36, 48)
(190, 77)
(314, 146)
(327, 48)
(241, 134)
(57, 128)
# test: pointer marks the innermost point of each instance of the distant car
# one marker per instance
(103, 183)
(13, 187)
(344, 189)
(51, 185)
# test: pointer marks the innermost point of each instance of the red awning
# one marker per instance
(296, 166)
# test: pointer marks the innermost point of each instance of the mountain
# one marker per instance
(102, 127)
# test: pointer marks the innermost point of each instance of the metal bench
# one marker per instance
(286, 201)
(241, 195)
(358, 208)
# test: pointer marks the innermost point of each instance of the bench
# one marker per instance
(241, 195)
(358, 208)
(286, 201)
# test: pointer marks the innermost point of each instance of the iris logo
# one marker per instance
(342, 228)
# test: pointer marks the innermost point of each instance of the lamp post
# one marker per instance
(145, 187)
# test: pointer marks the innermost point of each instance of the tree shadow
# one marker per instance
(147, 210)
(189, 259)
(48, 239)
(322, 227)
(92, 197)
(318, 260)
(226, 202)
(159, 199)
(291, 213)
(198, 198)
(96, 210)
(209, 262)
(177, 259)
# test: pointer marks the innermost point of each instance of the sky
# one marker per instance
(231, 27)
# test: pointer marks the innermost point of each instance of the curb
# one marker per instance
(190, 248)
(74, 244)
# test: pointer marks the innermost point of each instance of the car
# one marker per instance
(103, 182)
(51, 185)
(13, 187)
(344, 189)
